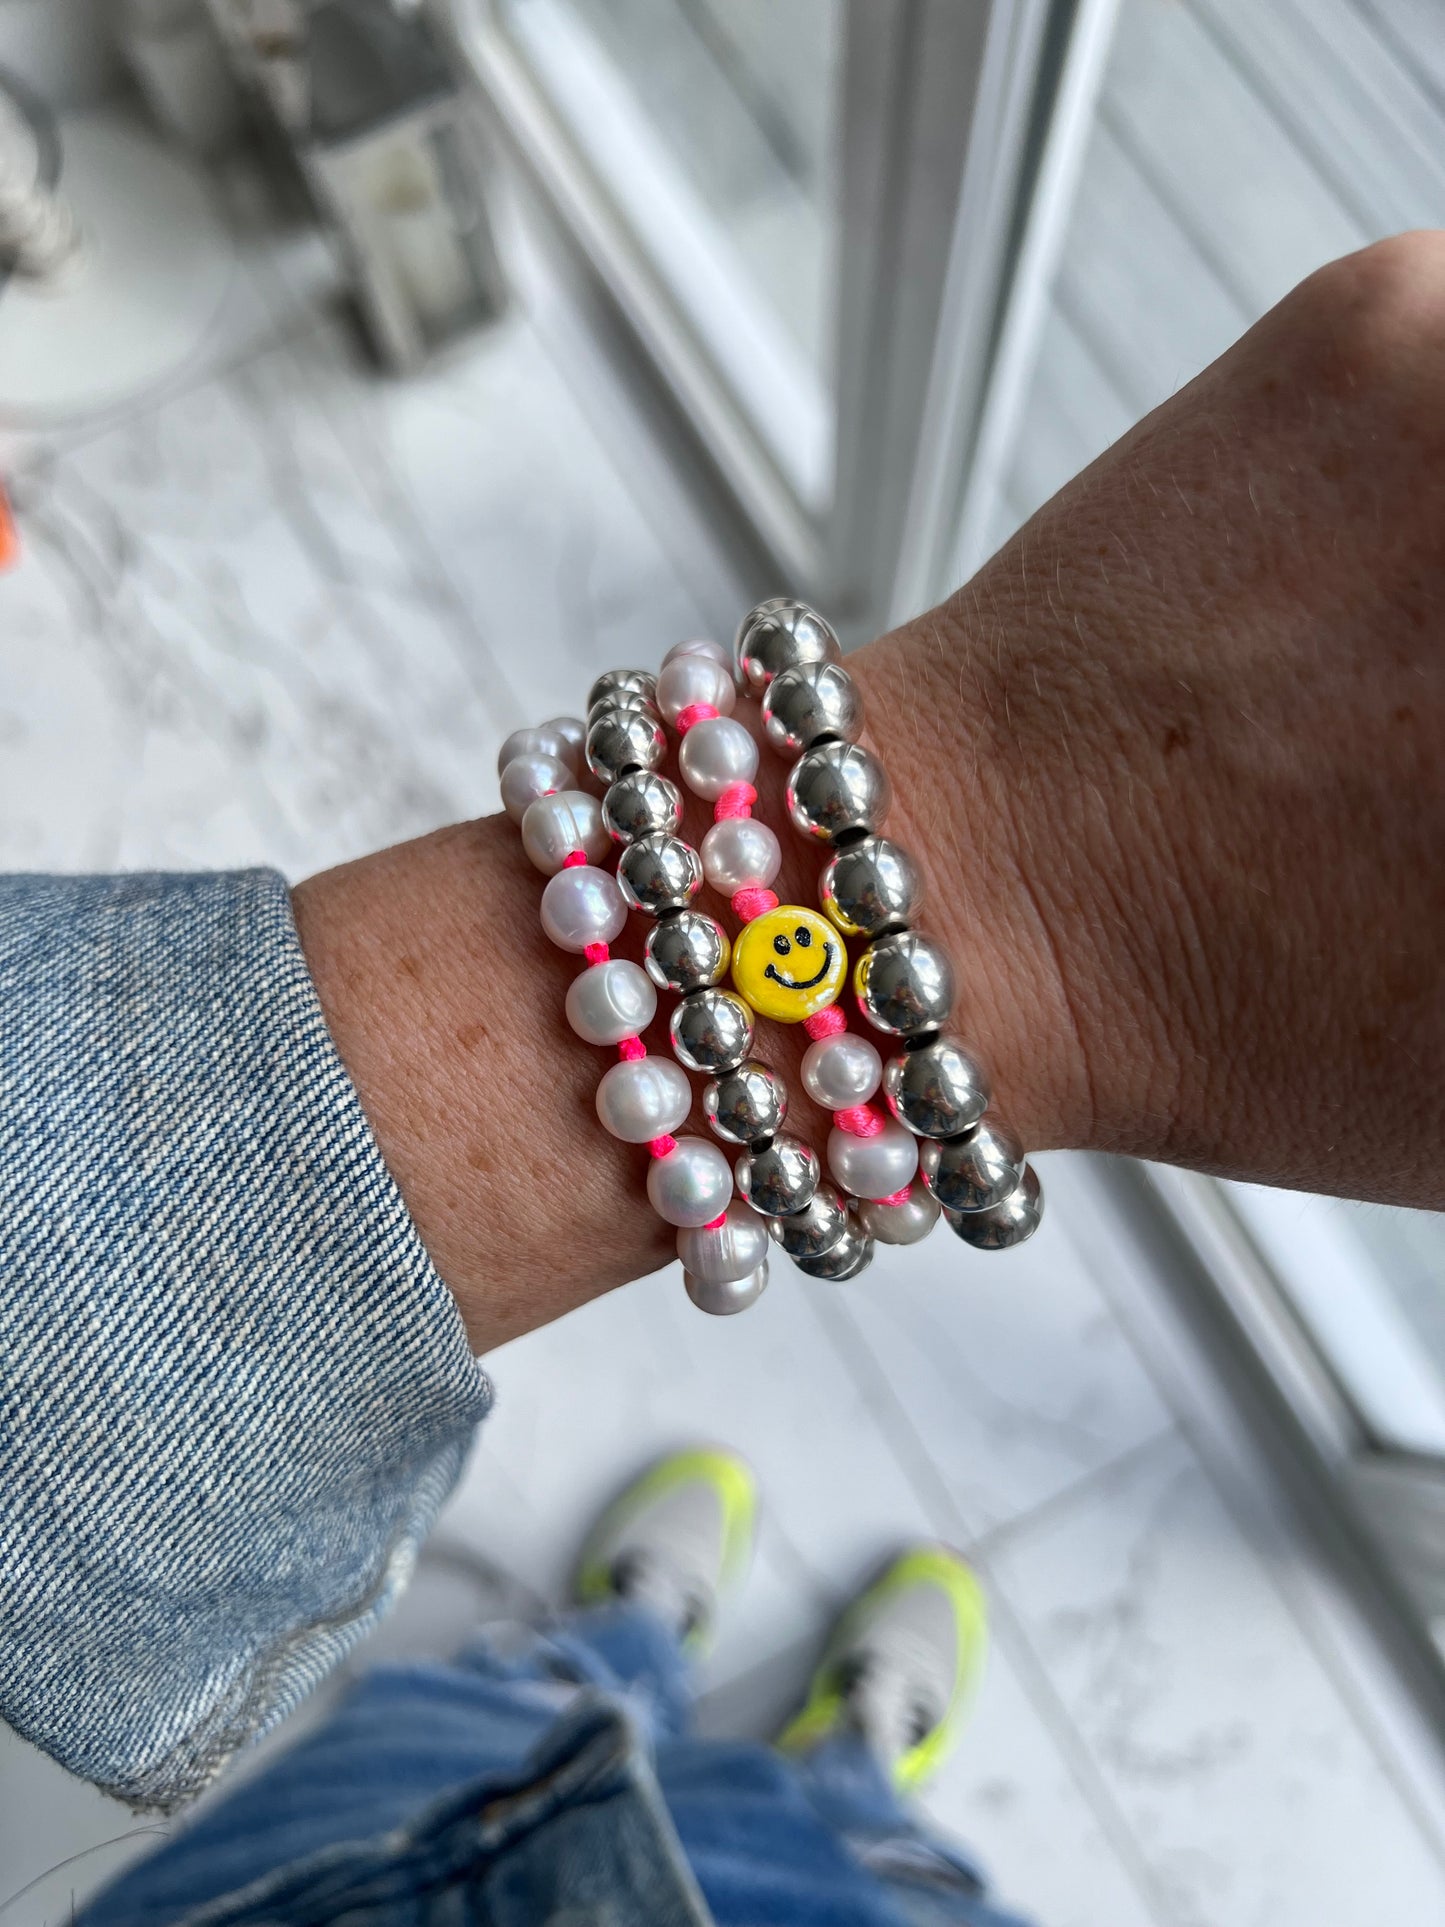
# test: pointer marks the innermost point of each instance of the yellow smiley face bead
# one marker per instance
(789, 963)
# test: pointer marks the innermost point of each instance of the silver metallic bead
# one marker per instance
(687, 952)
(973, 1172)
(722, 1297)
(659, 873)
(780, 1180)
(852, 1253)
(904, 983)
(642, 803)
(624, 739)
(815, 699)
(780, 634)
(815, 1229)
(835, 788)
(900, 1224)
(937, 1090)
(712, 1031)
(1005, 1224)
(621, 704)
(746, 1104)
(870, 887)
(622, 682)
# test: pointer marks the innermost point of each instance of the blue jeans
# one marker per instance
(558, 1781)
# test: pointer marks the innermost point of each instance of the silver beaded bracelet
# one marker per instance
(838, 794)
(788, 963)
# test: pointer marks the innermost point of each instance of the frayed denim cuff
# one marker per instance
(233, 1390)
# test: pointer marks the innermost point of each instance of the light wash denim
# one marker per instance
(553, 1784)
(233, 1394)
(233, 1390)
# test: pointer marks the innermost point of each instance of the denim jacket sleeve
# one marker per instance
(233, 1390)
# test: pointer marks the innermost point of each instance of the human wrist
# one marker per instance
(935, 697)
(443, 1004)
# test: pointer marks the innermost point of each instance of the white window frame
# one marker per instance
(939, 114)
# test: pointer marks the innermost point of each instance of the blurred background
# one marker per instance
(371, 376)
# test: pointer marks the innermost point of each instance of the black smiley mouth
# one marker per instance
(807, 983)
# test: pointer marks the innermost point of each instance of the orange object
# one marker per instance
(9, 534)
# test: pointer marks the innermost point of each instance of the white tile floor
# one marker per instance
(285, 614)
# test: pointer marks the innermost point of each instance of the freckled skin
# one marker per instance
(789, 964)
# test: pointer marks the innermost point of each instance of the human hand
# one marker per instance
(1176, 758)
(1174, 766)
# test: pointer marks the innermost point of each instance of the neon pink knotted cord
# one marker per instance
(755, 902)
(736, 800)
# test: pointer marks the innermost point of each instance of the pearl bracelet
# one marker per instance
(788, 963)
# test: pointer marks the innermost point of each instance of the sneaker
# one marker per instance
(900, 1667)
(676, 1538)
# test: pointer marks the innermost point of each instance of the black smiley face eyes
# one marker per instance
(802, 937)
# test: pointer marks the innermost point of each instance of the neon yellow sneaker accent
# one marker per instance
(730, 1477)
(827, 1699)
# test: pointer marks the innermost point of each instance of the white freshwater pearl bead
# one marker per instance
(546, 741)
(573, 732)
(722, 1254)
(740, 854)
(702, 646)
(554, 826)
(529, 776)
(873, 1167)
(583, 905)
(715, 754)
(734, 1295)
(642, 1098)
(689, 680)
(611, 1001)
(900, 1224)
(841, 1071)
(691, 1185)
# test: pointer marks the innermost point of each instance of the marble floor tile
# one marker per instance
(1011, 1796)
(550, 553)
(1252, 1795)
(217, 650)
(1010, 1372)
(584, 1404)
(644, 1373)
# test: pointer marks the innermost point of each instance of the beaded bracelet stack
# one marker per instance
(788, 964)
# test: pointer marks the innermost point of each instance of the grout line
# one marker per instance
(918, 1465)
(1098, 1480)
(1166, 1342)
(55, 444)
(397, 505)
(1009, 1630)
